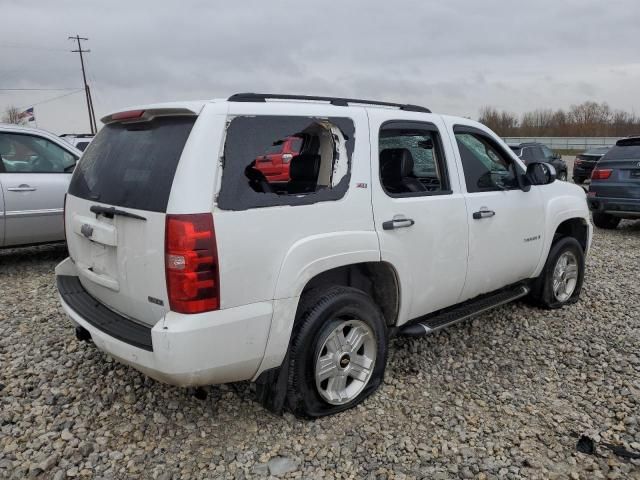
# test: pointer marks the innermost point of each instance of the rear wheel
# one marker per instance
(604, 220)
(560, 282)
(338, 353)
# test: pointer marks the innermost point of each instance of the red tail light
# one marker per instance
(191, 263)
(601, 173)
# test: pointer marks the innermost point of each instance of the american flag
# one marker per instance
(28, 115)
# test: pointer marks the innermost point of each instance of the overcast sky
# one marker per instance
(452, 56)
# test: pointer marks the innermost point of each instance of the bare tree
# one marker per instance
(503, 123)
(588, 119)
(13, 115)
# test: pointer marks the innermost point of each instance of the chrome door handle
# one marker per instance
(22, 188)
(483, 214)
(397, 223)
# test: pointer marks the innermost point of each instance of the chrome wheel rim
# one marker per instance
(565, 276)
(345, 362)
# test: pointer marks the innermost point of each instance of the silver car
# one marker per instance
(35, 170)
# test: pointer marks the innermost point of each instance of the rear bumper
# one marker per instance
(620, 207)
(185, 350)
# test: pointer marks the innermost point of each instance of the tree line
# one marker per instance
(589, 119)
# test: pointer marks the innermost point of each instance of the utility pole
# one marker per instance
(87, 91)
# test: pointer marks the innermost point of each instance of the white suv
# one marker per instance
(188, 264)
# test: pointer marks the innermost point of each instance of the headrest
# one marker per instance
(305, 167)
(396, 163)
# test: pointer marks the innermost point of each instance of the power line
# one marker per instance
(30, 47)
(52, 99)
(92, 115)
(37, 89)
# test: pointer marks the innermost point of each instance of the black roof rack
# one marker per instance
(338, 101)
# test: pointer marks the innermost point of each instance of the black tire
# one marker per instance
(542, 288)
(604, 220)
(321, 311)
(578, 180)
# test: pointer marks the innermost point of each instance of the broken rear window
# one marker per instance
(285, 160)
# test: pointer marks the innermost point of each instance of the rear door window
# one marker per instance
(319, 170)
(132, 165)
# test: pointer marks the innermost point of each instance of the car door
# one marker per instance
(419, 211)
(35, 176)
(506, 224)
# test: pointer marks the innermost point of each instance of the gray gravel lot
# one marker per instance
(506, 395)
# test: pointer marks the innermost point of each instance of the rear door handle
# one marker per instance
(483, 214)
(22, 188)
(397, 223)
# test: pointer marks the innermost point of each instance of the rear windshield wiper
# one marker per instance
(109, 212)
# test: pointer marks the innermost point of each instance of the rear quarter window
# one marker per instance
(630, 152)
(132, 165)
(318, 171)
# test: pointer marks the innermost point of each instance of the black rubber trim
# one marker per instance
(99, 316)
(338, 101)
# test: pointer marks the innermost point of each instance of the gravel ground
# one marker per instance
(506, 395)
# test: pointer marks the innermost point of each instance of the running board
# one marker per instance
(430, 323)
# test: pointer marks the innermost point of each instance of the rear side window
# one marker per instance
(318, 168)
(411, 159)
(132, 165)
(631, 152)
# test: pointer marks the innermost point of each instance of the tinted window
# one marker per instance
(132, 165)
(30, 154)
(486, 167)
(547, 152)
(597, 151)
(296, 144)
(411, 160)
(318, 172)
(631, 152)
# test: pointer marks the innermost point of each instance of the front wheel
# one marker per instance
(338, 353)
(560, 282)
(606, 221)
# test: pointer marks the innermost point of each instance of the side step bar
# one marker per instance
(444, 318)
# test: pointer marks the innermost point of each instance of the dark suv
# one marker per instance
(538, 152)
(585, 162)
(614, 193)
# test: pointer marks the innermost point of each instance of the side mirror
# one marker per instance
(540, 173)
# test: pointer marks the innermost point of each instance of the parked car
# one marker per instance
(538, 152)
(35, 172)
(275, 162)
(614, 193)
(79, 140)
(585, 162)
(395, 221)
